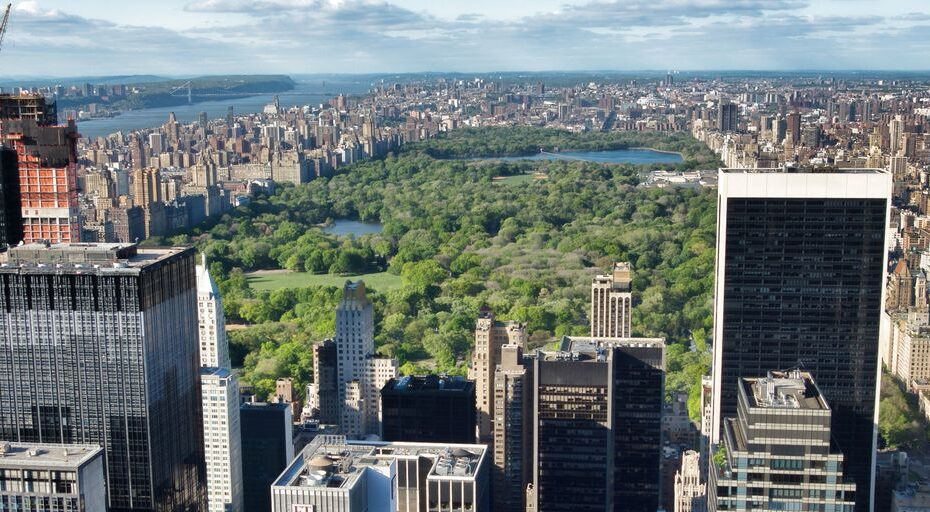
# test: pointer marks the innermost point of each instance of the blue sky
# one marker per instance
(106, 37)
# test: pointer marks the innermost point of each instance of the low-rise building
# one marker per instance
(338, 475)
(52, 477)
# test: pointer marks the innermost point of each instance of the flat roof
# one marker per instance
(55, 456)
(428, 383)
(86, 257)
(784, 390)
(333, 462)
(802, 170)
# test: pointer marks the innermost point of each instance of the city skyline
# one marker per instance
(333, 36)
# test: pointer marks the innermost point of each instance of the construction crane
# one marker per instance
(3, 24)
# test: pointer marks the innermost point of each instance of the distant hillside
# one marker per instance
(141, 94)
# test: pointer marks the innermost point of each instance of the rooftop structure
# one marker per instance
(784, 390)
(52, 478)
(780, 450)
(354, 476)
(49, 456)
(85, 257)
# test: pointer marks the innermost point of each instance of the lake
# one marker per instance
(345, 227)
(304, 93)
(614, 156)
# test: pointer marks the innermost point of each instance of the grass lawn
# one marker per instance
(276, 279)
(517, 179)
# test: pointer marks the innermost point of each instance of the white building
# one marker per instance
(333, 474)
(356, 363)
(214, 349)
(220, 394)
(612, 303)
(690, 493)
(222, 439)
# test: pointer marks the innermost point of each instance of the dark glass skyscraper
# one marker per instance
(11, 215)
(430, 409)
(800, 274)
(98, 344)
(267, 448)
(597, 435)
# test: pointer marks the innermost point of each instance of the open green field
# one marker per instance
(277, 279)
(518, 179)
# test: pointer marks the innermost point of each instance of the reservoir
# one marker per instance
(344, 227)
(638, 156)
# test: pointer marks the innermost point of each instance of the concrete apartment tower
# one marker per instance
(612, 303)
(490, 336)
(219, 388)
(357, 366)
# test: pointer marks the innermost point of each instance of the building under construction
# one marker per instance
(46, 157)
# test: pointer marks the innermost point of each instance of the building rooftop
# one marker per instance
(592, 344)
(620, 279)
(794, 169)
(212, 371)
(86, 257)
(785, 390)
(413, 384)
(64, 456)
(333, 462)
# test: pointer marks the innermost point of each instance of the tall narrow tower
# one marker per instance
(612, 303)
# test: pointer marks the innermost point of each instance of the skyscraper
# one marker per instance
(799, 279)
(727, 116)
(357, 365)
(325, 397)
(11, 214)
(777, 453)
(690, 493)
(46, 156)
(612, 303)
(513, 434)
(99, 346)
(597, 425)
(267, 448)
(490, 336)
(222, 439)
(214, 348)
(220, 392)
(430, 409)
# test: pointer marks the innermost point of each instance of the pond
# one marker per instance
(345, 227)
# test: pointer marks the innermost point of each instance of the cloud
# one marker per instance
(318, 36)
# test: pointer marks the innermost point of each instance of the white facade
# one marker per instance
(690, 493)
(612, 303)
(222, 440)
(360, 375)
(220, 395)
(214, 349)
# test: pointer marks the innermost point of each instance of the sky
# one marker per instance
(49, 38)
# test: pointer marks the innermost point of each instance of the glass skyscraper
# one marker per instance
(799, 280)
(98, 345)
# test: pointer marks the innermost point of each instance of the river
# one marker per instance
(305, 92)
